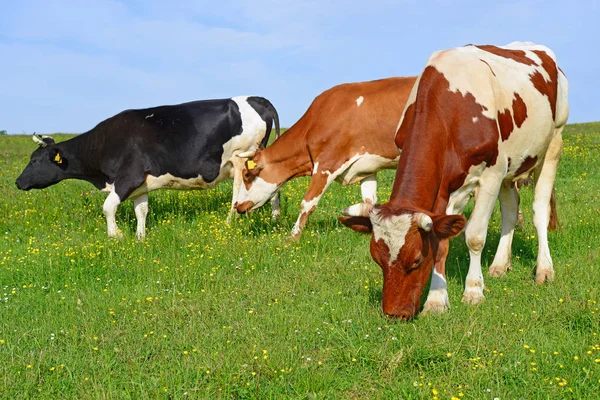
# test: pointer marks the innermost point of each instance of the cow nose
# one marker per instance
(243, 207)
(403, 314)
(18, 185)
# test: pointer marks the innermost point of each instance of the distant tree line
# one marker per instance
(3, 132)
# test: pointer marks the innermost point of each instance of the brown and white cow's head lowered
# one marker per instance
(258, 186)
(405, 244)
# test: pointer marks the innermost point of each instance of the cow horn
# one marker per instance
(247, 154)
(358, 210)
(38, 141)
(424, 221)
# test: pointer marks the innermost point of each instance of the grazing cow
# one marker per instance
(186, 146)
(479, 117)
(347, 134)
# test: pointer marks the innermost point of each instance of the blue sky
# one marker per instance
(66, 65)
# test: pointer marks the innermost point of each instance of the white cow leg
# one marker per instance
(509, 206)
(475, 235)
(238, 167)
(140, 205)
(368, 189)
(541, 208)
(110, 210)
(319, 183)
(437, 298)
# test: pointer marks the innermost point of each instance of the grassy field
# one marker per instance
(206, 310)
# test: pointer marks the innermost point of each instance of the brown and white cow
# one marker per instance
(479, 117)
(347, 135)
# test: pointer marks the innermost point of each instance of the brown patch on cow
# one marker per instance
(526, 165)
(442, 143)
(486, 63)
(553, 223)
(505, 122)
(516, 55)
(519, 110)
(406, 123)
(550, 89)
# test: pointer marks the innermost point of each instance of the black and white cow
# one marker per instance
(185, 146)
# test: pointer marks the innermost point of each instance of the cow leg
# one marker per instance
(110, 210)
(319, 182)
(475, 235)
(368, 189)
(437, 298)
(544, 184)
(509, 206)
(275, 205)
(140, 205)
(238, 167)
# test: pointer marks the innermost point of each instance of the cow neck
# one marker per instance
(84, 154)
(288, 156)
(423, 180)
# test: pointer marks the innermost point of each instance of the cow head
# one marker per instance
(46, 165)
(405, 245)
(257, 188)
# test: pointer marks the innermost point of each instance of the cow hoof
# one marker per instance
(294, 238)
(498, 271)
(473, 296)
(543, 276)
(435, 307)
(275, 216)
(118, 235)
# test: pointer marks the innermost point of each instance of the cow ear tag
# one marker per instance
(251, 164)
(57, 158)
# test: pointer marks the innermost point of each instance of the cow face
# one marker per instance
(46, 166)
(405, 245)
(255, 190)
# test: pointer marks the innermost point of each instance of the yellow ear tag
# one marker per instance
(58, 159)
(251, 164)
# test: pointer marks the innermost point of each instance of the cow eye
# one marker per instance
(417, 261)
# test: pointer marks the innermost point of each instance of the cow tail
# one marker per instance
(271, 108)
(553, 223)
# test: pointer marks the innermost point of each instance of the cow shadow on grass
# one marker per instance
(457, 262)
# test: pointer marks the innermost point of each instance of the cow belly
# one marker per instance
(168, 181)
(364, 166)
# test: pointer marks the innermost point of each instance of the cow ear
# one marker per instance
(57, 158)
(448, 226)
(358, 224)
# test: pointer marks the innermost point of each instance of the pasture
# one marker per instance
(206, 310)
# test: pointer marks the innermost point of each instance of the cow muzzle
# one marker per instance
(244, 207)
(21, 185)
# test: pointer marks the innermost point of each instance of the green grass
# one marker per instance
(206, 310)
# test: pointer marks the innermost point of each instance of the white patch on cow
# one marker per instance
(149, 116)
(315, 168)
(392, 230)
(110, 187)
(475, 119)
(361, 166)
(260, 192)
(359, 101)
(253, 130)
(168, 181)
(459, 198)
